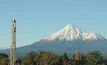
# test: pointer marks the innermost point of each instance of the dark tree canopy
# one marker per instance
(49, 58)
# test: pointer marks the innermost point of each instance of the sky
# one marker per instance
(37, 19)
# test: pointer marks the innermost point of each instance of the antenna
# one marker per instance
(13, 43)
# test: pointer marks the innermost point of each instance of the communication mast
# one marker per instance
(13, 43)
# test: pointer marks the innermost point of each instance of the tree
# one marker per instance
(28, 59)
(65, 56)
(18, 61)
(3, 59)
(92, 57)
(78, 58)
(47, 58)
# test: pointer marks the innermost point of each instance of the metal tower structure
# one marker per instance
(13, 43)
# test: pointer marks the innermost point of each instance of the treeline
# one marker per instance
(48, 58)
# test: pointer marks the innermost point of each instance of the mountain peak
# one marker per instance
(72, 32)
(73, 27)
(69, 26)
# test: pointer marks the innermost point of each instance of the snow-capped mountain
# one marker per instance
(68, 39)
(72, 32)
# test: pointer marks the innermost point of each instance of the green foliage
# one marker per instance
(3, 59)
(92, 57)
(28, 59)
(78, 56)
(49, 58)
(65, 57)
(78, 59)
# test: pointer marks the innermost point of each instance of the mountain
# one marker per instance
(69, 39)
(71, 32)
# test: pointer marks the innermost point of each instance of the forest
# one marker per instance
(49, 58)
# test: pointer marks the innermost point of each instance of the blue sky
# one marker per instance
(37, 19)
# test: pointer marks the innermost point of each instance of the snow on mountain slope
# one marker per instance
(72, 32)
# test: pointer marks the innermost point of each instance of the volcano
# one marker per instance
(69, 39)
